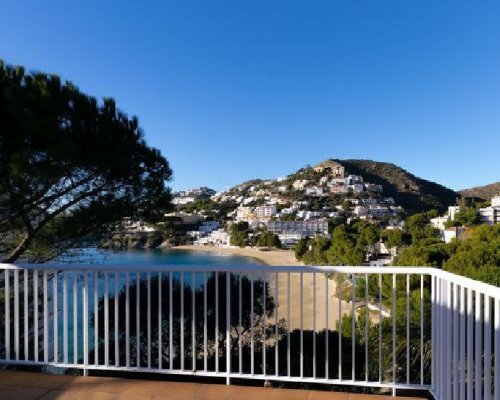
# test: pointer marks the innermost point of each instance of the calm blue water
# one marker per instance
(138, 258)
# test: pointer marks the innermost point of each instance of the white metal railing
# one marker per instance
(397, 328)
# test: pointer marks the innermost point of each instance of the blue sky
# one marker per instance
(233, 90)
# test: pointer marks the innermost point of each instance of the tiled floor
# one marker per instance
(33, 386)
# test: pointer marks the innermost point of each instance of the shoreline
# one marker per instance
(273, 257)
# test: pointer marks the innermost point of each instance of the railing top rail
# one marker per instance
(482, 287)
(216, 268)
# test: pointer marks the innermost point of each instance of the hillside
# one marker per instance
(485, 192)
(413, 193)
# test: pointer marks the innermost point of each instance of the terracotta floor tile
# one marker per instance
(289, 394)
(112, 386)
(324, 395)
(152, 388)
(178, 391)
(64, 395)
(215, 392)
(251, 393)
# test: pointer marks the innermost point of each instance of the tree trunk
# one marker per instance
(20, 249)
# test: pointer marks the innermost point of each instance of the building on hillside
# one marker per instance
(218, 238)
(264, 212)
(208, 226)
(356, 187)
(308, 228)
(454, 232)
(373, 187)
(439, 222)
(134, 226)
(315, 191)
(300, 184)
(338, 189)
(491, 215)
(244, 214)
(186, 218)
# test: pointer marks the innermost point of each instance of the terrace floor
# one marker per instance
(36, 386)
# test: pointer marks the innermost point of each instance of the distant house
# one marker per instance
(265, 212)
(300, 184)
(491, 215)
(454, 232)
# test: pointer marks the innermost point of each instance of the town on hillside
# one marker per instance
(304, 206)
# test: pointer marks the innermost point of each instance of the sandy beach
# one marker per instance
(310, 286)
(271, 257)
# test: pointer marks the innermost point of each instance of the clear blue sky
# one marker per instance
(232, 90)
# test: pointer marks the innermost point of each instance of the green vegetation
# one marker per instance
(70, 166)
(239, 234)
(268, 239)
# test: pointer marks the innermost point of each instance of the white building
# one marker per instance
(264, 212)
(300, 184)
(315, 191)
(306, 228)
(439, 222)
(491, 215)
(454, 232)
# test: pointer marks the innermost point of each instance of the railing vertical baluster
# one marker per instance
(193, 319)
(45, 318)
(462, 343)
(75, 318)
(276, 325)
(367, 312)
(65, 317)
(449, 322)
(393, 333)
(160, 327)
(288, 361)
(26, 315)
(138, 320)
(127, 319)
(16, 313)
(216, 321)
(339, 289)
(264, 326)
(478, 337)
(433, 334)
(35, 317)
(455, 360)
(182, 320)
(148, 318)
(7, 314)
(314, 325)
(301, 297)
(117, 343)
(408, 329)
(170, 323)
(421, 329)
(327, 326)
(240, 327)
(106, 319)
(380, 377)
(353, 328)
(487, 348)
(470, 344)
(251, 325)
(55, 318)
(85, 296)
(496, 394)
(96, 318)
(205, 330)
(228, 328)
